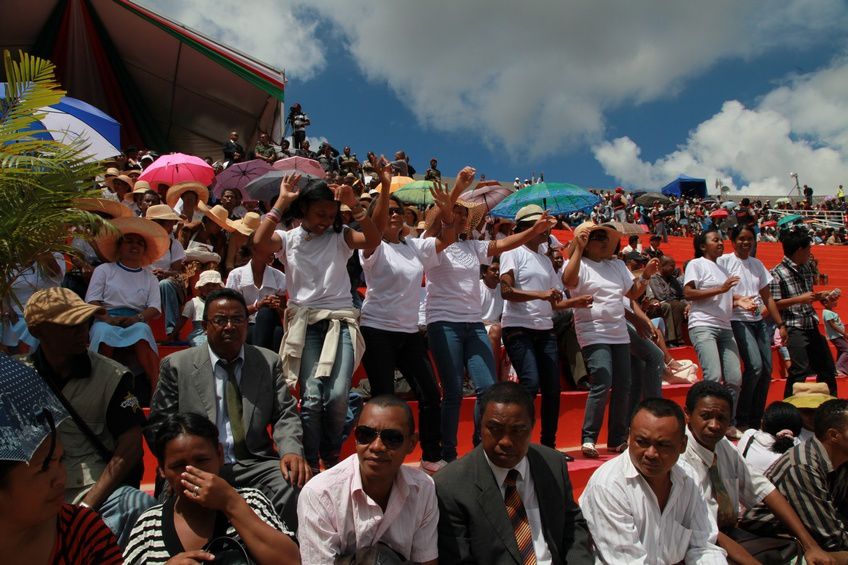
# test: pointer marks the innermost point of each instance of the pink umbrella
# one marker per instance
(489, 192)
(300, 165)
(238, 175)
(178, 167)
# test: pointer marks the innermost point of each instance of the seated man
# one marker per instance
(642, 507)
(103, 438)
(666, 287)
(241, 388)
(813, 476)
(807, 397)
(509, 501)
(724, 477)
(372, 497)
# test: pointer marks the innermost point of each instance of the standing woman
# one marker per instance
(593, 269)
(709, 289)
(455, 330)
(322, 344)
(749, 329)
(393, 273)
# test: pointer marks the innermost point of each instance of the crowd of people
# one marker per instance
(285, 299)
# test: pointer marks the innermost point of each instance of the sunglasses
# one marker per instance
(599, 236)
(395, 211)
(391, 438)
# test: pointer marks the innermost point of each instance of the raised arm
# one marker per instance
(444, 201)
(265, 235)
(498, 246)
(380, 216)
(572, 270)
(370, 236)
(464, 178)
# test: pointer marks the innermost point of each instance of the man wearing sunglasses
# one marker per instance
(371, 501)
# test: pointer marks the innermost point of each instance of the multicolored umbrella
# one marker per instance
(416, 192)
(238, 175)
(178, 167)
(489, 193)
(556, 197)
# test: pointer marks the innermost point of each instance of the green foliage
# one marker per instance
(38, 179)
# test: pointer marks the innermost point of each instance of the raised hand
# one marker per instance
(344, 194)
(543, 224)
(442, 198)
(651, 268)
(289, 186)
(465, 177)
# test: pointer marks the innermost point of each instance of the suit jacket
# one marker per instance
(230, 147)
(187, 384)
(473, 524)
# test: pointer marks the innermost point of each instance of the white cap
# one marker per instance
(209, 277)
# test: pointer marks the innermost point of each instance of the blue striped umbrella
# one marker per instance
(556, 197)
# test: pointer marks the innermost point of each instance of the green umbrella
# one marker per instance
(416, 192)
(789, 219)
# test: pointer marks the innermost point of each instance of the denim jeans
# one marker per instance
(534, 355)
(267, 329)
(457, 346)
(609, 366)
(121, 510)
(646, 368)
(754, 345)
(323, 402)
(719, 358)
(385, 351)
(170, 298)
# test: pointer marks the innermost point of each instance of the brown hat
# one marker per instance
(161, 212)
(58, 305)
(217, 214)
(614, 235)
(132, 173)
(154, 235)
(248, 224)
(110, 181)
(103, 206)
(176, 192)
(141, 186)
(112, 172)
(809, 395)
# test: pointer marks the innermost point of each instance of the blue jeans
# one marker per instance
(608, 365)
(719, 358)
(170, 303)
(534, 355)
(121, 510)
(754, 346)
(457, 346)
(323, 401)
(646, 368)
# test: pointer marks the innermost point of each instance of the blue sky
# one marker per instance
(598, 94)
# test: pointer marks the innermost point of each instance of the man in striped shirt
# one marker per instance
(813, 476)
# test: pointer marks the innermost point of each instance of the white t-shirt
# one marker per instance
(604, 322)
(241, 279)
(753, 277)
(118, 287)
(713, 312)
(453, 286)
(193, 309)
(317, 268)
(492, 303)
(31, 280)
(174, 253)
(393, 275)
(532, 272)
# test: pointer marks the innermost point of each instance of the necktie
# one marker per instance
(518, 516)
(232, 397)
(727, 515)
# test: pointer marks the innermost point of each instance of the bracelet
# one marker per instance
(274, 216)
(140, 318)
(279, 211)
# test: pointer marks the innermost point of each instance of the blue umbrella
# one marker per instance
(28, 410)
(789, 219)
(556, 197)
(71, 119)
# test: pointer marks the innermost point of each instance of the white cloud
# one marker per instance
(800, 127)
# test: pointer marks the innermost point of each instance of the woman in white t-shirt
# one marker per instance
(455, 331)
(322, 344)
(709, 290)
(780, 431)
(593, 269)
(752, 336)
(393, 272)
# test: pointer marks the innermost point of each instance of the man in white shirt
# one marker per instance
(371, 497)
(726, 481)
(509, 501)
(642, 507)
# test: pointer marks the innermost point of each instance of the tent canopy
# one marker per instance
(687, 187)
(171, 88)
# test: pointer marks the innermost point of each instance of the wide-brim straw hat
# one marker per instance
(140, 187)
(154, 235)
(162, 212)
(248, 224)
(201, 252)
(176, 191)
(475, 214)
(217, 214)
(614, 235)
(809, 395)
(110, 181)
(59, 305)
(103, 206)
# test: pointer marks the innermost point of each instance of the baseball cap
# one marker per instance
(59, 305)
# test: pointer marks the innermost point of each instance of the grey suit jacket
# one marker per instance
(473, 523)
(187, 384)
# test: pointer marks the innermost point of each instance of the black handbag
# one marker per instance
(228, 550)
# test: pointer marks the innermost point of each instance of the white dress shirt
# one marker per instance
(743, 485)
(273, 283)
(225, 432)
(527, 491)
(628, 526)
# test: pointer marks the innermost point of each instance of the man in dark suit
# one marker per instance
(241, 389)
(232, 146)
(509, 502)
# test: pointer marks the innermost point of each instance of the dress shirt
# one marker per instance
(225, 432)
(273, 283)
(790, 279)
(527, 491)
(743, 485)
(628, 526)
(336, 517)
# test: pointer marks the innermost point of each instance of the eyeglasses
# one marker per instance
(398, 211)
(391, 438)
(222, 321)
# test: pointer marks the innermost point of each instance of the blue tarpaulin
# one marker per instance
(686, 187)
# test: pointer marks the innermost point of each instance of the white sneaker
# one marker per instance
(432, 467)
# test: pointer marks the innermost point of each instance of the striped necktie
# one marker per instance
(727, 515)
(518, 516)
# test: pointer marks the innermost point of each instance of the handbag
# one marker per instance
(228, 550)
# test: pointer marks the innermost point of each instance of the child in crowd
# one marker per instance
(835, 331)
(492, 308)
(193, 309)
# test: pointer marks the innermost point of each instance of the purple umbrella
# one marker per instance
(238, 175)
(489, 193)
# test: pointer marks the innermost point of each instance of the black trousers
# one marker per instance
(267, 331)
(385, 351)
(810, 355)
